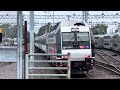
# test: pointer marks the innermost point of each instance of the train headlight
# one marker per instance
(65, 57)
(86, 56)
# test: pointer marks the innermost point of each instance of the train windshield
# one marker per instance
(79, 40)
(83, 36)
(68, 37)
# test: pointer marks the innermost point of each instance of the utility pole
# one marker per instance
(85, 16)
(119, 27)
(32, 35)
(53, 18)
(68, 17)
(19, 41)
(18, 47)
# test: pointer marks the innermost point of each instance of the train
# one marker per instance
(74, 37)
(108, 41)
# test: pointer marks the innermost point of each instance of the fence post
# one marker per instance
(25, 46)
(69, 67)
(26, 66)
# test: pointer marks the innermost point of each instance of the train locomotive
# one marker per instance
(71, 37)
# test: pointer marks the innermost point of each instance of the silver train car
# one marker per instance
(98, 41)
(116, 42)
(107, 43)
(71, 37)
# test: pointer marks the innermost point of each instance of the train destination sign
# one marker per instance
(75, 29)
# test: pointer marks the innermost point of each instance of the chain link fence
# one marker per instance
(8, 22)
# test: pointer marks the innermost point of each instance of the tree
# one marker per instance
(42, 31)
(99, 29)
(9, 31)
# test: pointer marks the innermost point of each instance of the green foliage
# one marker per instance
(45, 29)
(99, 29)
(9, 31)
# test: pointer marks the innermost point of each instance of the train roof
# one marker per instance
(73, 23)
(65, 24)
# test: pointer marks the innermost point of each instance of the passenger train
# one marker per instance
(109, 41)
(98, 41)
(71, 37)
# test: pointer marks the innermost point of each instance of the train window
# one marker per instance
(69, 41)
(68, 36)
(96, 37)
(51, 40)
(83, 36)
(51, 36)
(106, 37)
(115, 45)
(95, 43)
(106, 43)
(115, 36)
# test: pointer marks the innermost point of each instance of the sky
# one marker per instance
(111, 28)
(36, 27)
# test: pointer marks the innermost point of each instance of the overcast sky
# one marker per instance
(110, 27)
(63, 13)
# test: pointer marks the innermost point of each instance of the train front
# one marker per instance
(77, 41)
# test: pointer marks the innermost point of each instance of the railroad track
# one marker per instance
(88, 76)
(109, 62)
(81, 76)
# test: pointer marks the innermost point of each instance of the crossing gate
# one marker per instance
(33, 68)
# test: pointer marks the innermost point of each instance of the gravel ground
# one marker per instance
(113, 53)
(100, 73)
(8, 70)
(98, 58)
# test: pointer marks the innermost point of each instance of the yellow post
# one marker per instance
(1, 29)
(1, 34)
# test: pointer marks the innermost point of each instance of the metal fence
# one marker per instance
(8, 22)
(43, 69)
(8, 46)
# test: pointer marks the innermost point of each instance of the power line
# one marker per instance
(114, 16)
